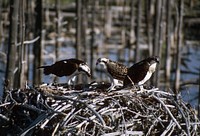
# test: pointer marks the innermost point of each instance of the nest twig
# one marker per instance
(54, 110)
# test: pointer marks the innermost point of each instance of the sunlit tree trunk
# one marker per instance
(168, 45)
(179, 43)
(22, 60)
(157, 36)
(11, 56)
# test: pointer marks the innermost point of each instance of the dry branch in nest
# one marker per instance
(90, 110)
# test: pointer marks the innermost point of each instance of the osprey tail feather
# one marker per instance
(47, 69)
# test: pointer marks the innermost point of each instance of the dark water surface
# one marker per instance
(190, 92)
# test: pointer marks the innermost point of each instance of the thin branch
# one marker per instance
(29, 42)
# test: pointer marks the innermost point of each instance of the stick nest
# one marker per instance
(91, 110)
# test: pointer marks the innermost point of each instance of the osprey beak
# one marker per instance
(85, 68)
(158, 60)
(89, 74)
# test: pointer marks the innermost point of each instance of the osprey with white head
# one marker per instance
(67, 67)
(141, 72)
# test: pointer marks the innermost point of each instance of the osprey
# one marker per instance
(67, 67)
(142, 71)
(115, 70)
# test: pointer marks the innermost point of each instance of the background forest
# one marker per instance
(36, 32)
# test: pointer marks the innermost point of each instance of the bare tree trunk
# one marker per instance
(1, 31)
(179, 43)
(107, 20)
(92, 36)
(11, 57)
(58, 24)
(157, 27)
(37, 46)
(168, 45)
(132, 38)
(123, 31)
(83, 33)
(132, 24)
(156, 35)
(78, 30)
(148, 25)
(159, 50)
(139, 15)
(29, 30)
(199, 97)
(84, 28)
(21, 47)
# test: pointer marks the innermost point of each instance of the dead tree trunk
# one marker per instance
(58, 25)
(84, 28)
(29, 29)
(37, 46)
(199, 97)
(78, 29)
(11, 56)
(83, 33)
(156, 35)
(168, 45)
(132, 24)
(22, 60)
(132, 38)
(139, 15)
(58, 22)
(92, 35)
(160, 43)
(148, 25)
(179, 43)
(1, 29)
(107, 20)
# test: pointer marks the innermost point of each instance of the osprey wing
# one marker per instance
(64, 68)
(117, 70)
(136, 73)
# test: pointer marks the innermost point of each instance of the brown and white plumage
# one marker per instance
(68, 67)
(115, 70)
(142, 71)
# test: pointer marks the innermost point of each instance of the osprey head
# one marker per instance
(83, 67)
(103, 62)
(153, 62)
(153, 59)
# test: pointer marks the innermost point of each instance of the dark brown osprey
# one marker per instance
(115, 70)
(67, 67)
(142, 71)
